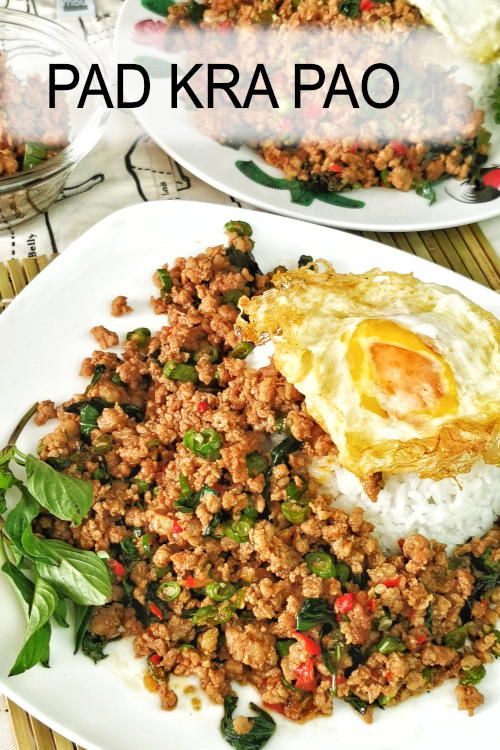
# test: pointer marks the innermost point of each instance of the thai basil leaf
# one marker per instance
(61, 614)
(67, 498)
(81, 575)
(99, 370)
(20, 581)
(134, 411)
(42, 607)
(314, 611)
(20, 518)
(243, 260)
(35, 548)
(34, 651)
(359, 705)
(262, 729)
(81, 620)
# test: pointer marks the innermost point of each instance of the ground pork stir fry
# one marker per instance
(227, 562)
(333, 166)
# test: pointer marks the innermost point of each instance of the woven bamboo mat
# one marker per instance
(465, 250)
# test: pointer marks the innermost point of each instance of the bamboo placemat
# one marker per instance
(465, 250)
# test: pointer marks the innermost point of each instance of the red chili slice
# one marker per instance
(312, 647)
(305, 677)
(155, 610)
(117, 568)
(344, 603)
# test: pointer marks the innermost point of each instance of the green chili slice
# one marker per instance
(390, 645)
(256, 464)
(169, 591)
(294, 513)
(165, 279)
(232, 296)
(140, 336)
(205, 444)
(241, 350)
(473, 676)
(239, 531)
(241, 228)
(179, 371)
(321, 564)
(208, 350)
(102, 444)
(213, 615)
(34, 154)
(456, 638)
(219, 591)
(147, 543)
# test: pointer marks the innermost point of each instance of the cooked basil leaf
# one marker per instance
(281, 451)
(262, 730)
(314, 611)
(88, 420)
(93, 647)
(67, 498)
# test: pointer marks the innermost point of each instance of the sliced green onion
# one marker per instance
(256, 464)
(241, 350)
(179, 371)
(140, 336)
(241, 228)
(295, 513)
(169, 591)
(219, 591)
(321, 564)
(293, 492)
(205, 444)
(384, 623)
(473, 676)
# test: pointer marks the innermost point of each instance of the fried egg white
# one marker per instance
(403, 375)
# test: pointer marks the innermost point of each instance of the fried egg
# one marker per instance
(471, 27)
(403, 375)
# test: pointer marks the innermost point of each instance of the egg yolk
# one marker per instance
(397, 374)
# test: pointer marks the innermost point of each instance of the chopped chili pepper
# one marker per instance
(344, 603)
(340, 679)
(117, 568)
(391, 583)
(225, 25)
(335, 168)
(366, 5)
(304, 676)
(155, 610)
(176, 527)
(279, 707)
(194, 583)
(202, 407)
(372, 605)
(420, 639)
(155, 659)
(398, 148)
(389, 676)
(311, 646)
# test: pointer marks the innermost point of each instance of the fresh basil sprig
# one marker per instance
(57, 571)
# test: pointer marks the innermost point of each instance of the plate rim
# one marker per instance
(291, 213)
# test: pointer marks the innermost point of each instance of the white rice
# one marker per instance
(448, 510)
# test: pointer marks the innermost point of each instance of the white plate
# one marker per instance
(44, 336)
(385, 210)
